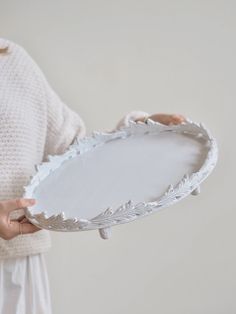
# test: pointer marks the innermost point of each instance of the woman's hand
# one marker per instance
(12, 228)
(166, 119)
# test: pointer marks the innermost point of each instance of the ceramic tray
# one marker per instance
(110, 178)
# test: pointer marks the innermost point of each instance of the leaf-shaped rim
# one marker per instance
(128, 211)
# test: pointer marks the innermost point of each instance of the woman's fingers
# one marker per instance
(24, 220)
(12, 228)
(16, 228)
(168, 119)
(19, 218)
(28, 227)
(177, 118)
(10, 205)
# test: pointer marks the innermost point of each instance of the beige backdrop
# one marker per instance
(105, 58)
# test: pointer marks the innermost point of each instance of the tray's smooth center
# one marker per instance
(139, 168)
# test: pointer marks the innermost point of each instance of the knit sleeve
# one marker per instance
(63, 125)
(132, 115)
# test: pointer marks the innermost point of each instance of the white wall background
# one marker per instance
(105, 58)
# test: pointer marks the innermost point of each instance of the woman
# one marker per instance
(34, 123)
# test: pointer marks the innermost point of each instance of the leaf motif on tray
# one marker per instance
(127, 211)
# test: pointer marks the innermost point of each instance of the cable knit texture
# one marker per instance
(34, 123)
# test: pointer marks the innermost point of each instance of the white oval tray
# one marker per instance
(110, 178)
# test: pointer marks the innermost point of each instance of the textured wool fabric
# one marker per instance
(34, 123)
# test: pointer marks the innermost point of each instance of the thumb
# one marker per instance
(12, 204)
(28, 227)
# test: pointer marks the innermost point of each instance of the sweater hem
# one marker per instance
(25, 253)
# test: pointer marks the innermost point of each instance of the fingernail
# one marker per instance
(31, 201)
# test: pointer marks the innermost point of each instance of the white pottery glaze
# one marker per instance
(113, 166)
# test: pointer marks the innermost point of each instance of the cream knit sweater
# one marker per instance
(34, 122)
